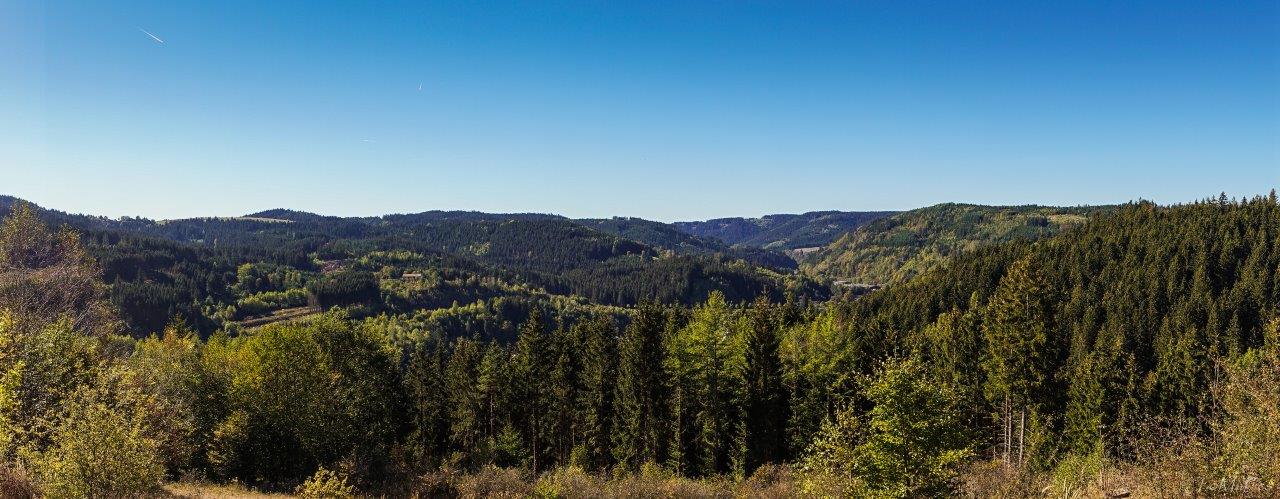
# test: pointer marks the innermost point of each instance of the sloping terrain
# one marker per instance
(782, 232)
(894, 249)
(216, 270)
(668, 237)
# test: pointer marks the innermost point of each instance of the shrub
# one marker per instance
(995, 478)
(493, 482)
(572, 482)
(17, 483)
(565, 482)
(98, 451)
(440, 483)
(770, 480)
(1249, 434)
(1076, 472)
(326, 484)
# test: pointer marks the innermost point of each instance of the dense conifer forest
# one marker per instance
(1026, 351)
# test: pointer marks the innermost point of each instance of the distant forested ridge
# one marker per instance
(671, 237)
(782, 232)
(895, 248)
(218, 270)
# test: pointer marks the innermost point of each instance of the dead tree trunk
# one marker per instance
(1007, 436)
(1022, 433)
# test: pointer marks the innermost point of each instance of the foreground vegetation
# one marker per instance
(1138, 351)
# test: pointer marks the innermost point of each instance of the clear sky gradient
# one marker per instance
(663, 110)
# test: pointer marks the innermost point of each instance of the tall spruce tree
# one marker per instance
(640, 403)
(599, 381)
(533, 411)
(1017, 337)
(766, 407)
(429, 403)
(493, 382)
(565, 391)
(466, 402)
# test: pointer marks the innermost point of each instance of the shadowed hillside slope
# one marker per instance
(782, 232)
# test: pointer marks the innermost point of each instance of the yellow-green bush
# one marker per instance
(98, 452)
(1076, 472)
(39, 372)
(326, 484)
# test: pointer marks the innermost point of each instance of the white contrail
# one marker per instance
(153, 37)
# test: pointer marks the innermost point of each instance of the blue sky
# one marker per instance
(679, 110)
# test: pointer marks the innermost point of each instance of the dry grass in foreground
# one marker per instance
(197, 490)
(572, 482)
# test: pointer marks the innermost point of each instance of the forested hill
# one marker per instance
(289, 215)
(667, 236)
(895, 248)
(782, 232)
(214, 270)
(1101, 337)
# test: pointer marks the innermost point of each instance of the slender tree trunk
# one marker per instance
(1022, 433)
(1007, 437)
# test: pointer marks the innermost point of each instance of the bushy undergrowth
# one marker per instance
(770, 481)
(17, 483)
(98, 452)
(326, 484)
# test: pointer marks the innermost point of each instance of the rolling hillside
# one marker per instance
(212, 270)
(782, 232)
(668, 237)
(894, 249)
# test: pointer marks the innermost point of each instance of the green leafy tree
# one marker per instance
(39, 374)
(46, 276)
(180, 398)
(909, 444)
(305, 395)
(704, 359)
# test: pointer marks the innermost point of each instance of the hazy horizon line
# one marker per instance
(598, 217)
